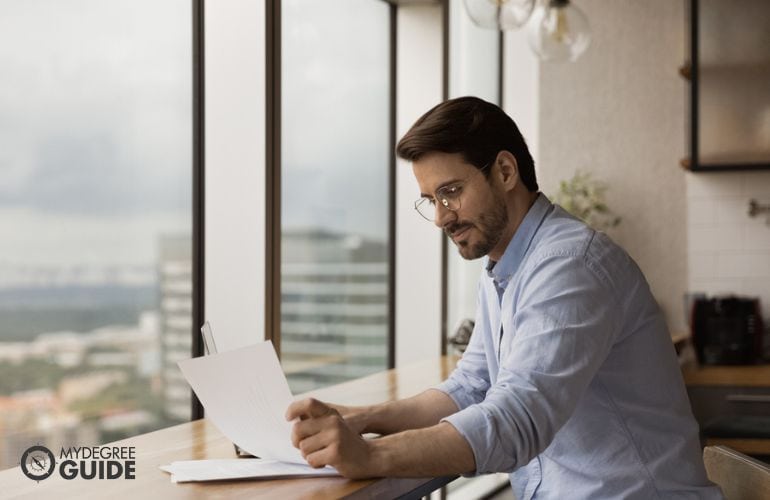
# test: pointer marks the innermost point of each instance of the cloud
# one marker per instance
(335, 88)
(95, 107)
(95, 110)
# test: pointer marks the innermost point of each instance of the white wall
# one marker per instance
(418, 243)
(235, 180)
(521, 89)
(619, 111)
(728, 252)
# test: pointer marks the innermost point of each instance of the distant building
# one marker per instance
(88, 385)
(175, 306)
(334, 307)
(32, 417)
(132, 346)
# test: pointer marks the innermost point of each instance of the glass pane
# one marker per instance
(336, 154)
(95, 196)
(734, 82)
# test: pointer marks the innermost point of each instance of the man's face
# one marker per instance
(478, 224)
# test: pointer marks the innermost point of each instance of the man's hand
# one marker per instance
(354, 416)
(324, 438)
(416, 443)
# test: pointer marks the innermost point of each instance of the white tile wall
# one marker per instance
(728, 251)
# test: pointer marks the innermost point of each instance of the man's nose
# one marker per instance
(444, 216)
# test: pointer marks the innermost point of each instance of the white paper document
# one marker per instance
(245, 394)
(240, 468)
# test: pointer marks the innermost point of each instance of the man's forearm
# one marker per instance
(439, 450)
(325, 437)
(417, 412)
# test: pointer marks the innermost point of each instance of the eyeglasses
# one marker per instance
(450, 197)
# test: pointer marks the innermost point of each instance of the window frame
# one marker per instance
(257, 305)
(273, 163)
(199, 191)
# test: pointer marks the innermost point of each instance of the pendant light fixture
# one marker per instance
(499, 14)
(558, 31)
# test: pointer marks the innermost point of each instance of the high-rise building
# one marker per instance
(175, 306)
(334, 307)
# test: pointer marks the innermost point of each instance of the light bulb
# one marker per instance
(559, 32)
(499, 14)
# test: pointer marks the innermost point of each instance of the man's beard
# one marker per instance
(491, 226)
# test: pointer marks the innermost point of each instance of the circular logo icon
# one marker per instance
(37, 463)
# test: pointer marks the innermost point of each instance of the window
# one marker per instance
(95, 213)
(335, 182)
(473, 70)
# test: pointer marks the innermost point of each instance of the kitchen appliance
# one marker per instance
(728, 330)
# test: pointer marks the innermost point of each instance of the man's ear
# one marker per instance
(508, 169)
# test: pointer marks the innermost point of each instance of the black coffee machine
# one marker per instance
(728, 331)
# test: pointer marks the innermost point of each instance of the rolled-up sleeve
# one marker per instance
(565, 317)
(469, 382)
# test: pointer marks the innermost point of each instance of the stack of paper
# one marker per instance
(245, 394)
(240, 468)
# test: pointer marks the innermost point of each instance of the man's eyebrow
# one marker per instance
(440, 187)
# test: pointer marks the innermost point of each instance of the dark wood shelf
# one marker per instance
(686, 164)
(739, 69)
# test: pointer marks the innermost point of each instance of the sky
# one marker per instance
(335, 115)
(96, 131)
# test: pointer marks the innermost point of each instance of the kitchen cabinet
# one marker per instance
(732, 406)
(729, 75)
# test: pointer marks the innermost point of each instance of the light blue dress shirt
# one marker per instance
(570, 381)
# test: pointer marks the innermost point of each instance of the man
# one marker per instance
(570, 381)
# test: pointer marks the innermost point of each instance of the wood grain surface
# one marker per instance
(201, 440)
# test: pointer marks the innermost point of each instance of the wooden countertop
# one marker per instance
(201, 440)
(746, 376)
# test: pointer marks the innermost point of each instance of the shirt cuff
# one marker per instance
(457, 393)
(476, 426)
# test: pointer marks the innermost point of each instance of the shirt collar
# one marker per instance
(502, 271)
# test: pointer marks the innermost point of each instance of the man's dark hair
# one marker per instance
(476, 129)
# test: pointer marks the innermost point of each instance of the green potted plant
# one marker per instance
(583, 197)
